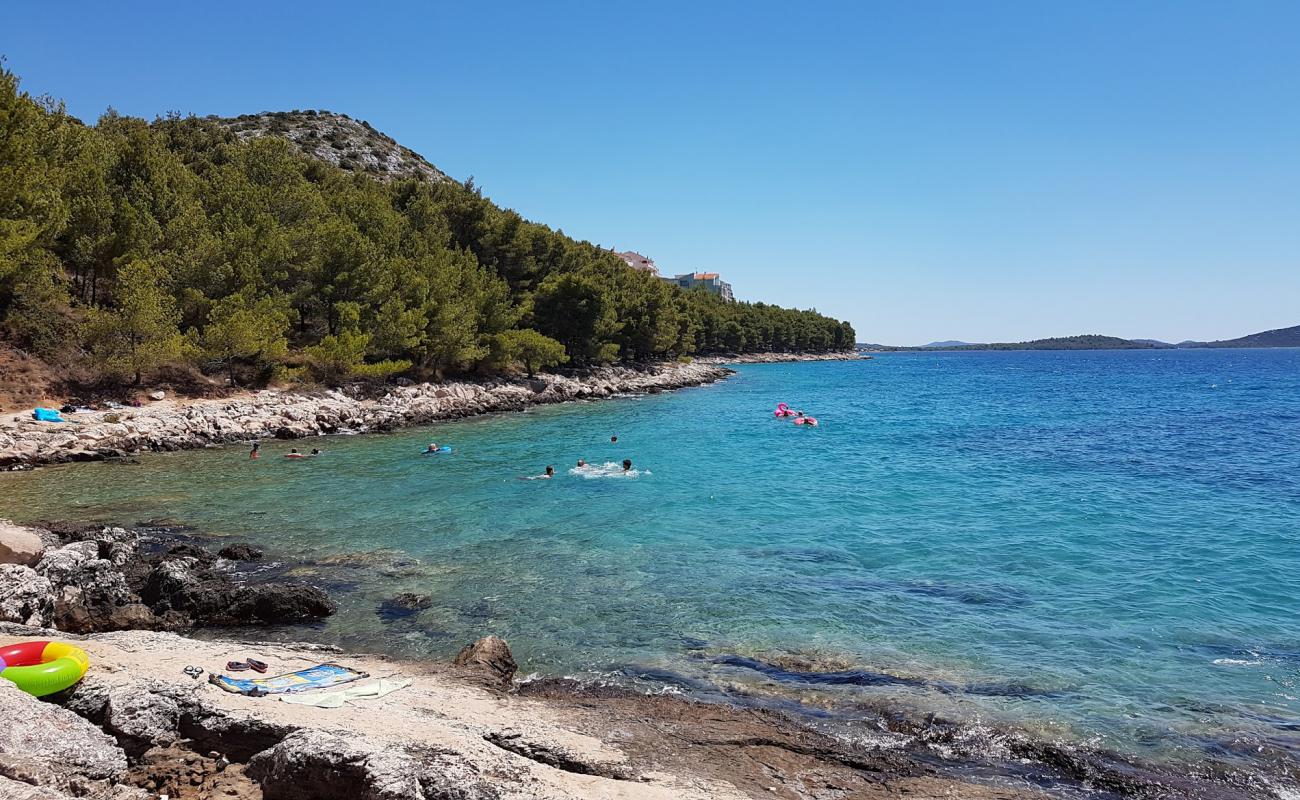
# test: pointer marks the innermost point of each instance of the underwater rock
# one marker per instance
(241, 552)
(405, 604)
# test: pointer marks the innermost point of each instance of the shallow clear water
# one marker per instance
(1100, 545)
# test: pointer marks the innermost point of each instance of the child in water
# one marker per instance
(255, 453)
(550, 473)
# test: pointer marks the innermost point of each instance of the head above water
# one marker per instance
(550, 470)
(613, 439)
(627, 464)
(582, 463)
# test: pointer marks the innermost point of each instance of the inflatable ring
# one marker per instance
(41, 668)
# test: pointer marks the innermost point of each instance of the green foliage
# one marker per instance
(337, 355)
(528, 347)
(146, 229)
(242, 329)
(140, 333)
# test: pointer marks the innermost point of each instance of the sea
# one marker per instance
(1095, 549)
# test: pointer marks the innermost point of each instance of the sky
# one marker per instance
(927, 170)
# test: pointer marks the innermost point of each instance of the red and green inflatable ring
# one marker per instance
(41, 668)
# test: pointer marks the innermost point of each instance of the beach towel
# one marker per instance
(320, 676)
(336, 699)
(46, 415)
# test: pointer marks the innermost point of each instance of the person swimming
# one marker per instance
(627, 465)
(315, 451)
(613, 440)
(545, 476)
(256, 452)
(293, 453)
(432, 448)
(582, 464)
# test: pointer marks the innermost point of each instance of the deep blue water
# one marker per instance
(1097, 546)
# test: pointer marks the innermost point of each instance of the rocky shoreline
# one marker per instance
(182, 425)
(137, 726)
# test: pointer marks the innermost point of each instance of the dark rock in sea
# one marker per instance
(209, 597)
(403, 605)
(277, 603)
(241, 552)
(489, 660)
(187, 550)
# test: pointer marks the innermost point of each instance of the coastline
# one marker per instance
(140, 727)
(132, 595)
(168, 425)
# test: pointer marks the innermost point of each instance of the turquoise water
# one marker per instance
(1096, 546)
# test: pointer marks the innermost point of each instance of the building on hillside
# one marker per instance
(637, 261)
(709, 280)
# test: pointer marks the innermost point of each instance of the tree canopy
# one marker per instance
(128, 243)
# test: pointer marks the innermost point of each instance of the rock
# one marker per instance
(158, 395)
(61, 563)
(19, 545)
(25, 596)
(43, 735)
(316, 765)
(241, 552)
(280, 603)
(404, 605)
(178, 585)
(490, 660)
(141, 718)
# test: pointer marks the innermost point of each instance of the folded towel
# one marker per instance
(337, 699)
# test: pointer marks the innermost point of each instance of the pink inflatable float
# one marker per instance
(809, 421)
(782, 410)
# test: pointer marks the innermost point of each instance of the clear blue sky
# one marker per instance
(928, 170)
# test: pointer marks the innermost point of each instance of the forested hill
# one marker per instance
(129, 246)
(1085, 342)
(1279, 337)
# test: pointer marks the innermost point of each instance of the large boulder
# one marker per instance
(25, 596)
(488, 660)
(19, 545)
(317, 765)
(279, 603)
(47, 745)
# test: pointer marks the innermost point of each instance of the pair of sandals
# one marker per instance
(246, 664)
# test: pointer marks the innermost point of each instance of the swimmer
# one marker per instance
(613, 440)
(293, 453)
(545, 476)
(432, 448)
(627, 465)
(315, 451)
(582, 464)
(256, 452)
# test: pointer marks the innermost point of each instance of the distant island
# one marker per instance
(1279, 337)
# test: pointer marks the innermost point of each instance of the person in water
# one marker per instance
(315, 451)
(293, 453)
(256, 452)
(627, 465)
(582, 464)
(433, 447)
(613, 440)
(545, 476)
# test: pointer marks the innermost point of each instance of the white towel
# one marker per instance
(337, 699)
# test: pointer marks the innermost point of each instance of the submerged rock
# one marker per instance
(403, 605)
(489, 660)
(240, 552)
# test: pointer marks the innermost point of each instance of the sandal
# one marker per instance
(255, 665)
(236, 666)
